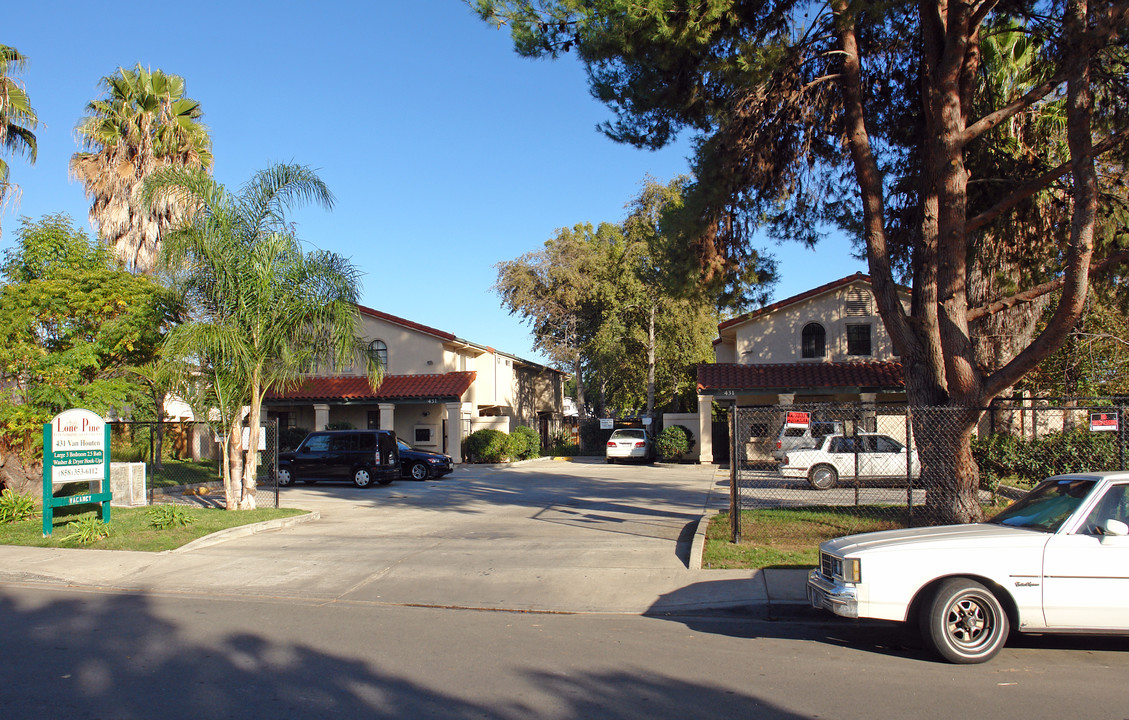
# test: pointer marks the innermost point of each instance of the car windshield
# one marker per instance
(629, 435)
(1046, 507)
(403, 445)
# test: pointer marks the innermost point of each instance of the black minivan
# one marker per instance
(362, 456)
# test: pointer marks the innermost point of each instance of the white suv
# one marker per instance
(870, 455)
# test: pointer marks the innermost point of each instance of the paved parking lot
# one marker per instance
(579, 536)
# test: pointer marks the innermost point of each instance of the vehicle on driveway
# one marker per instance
(365, 457)
(422, 464)
(630, 444)
(794, 437)
(1055, 561)
(869, 455)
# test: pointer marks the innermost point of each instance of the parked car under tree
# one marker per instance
(1055, 561)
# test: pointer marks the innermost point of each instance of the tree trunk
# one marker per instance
(251, 456)
(651, 364)
(233, 468)
(581, 404)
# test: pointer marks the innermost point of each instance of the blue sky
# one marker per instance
(446, 151)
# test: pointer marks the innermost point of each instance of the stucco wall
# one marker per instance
(776, 336)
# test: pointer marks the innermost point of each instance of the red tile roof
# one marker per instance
(394, 387)
(795, 377)
(406, 323)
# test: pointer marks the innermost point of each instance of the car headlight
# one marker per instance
(852, 570)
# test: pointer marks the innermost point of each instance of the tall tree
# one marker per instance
(143, 124)
(18, 119)
(553, 290)
(868, 115)
(262, 309)
(74, 324)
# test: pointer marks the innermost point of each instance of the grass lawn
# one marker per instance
(131, 529)
(788, 537)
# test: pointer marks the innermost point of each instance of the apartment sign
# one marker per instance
(76, 448)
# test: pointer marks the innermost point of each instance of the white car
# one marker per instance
(629, 444)
(871, 456)
(1056, 561)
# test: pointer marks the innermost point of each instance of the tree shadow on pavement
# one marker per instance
(100, 655)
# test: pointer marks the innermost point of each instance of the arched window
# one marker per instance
(813, 341)
(378, 351)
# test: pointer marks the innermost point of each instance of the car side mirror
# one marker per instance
(1114, 528)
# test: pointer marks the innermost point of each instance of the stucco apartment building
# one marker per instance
(437, 389)
(826, 345)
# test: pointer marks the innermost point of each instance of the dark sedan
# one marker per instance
(421, 464)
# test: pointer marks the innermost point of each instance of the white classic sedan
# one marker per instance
(868, 456)
(1056, 561)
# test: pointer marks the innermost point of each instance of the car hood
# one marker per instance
(422, 455)
(979, 536)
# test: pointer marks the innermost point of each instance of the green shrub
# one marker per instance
(15, 507)
(527, 443)
(672, 443)
(1003, 456)
(560, 443)
(86, 530)
(164, 517)
(488, 446)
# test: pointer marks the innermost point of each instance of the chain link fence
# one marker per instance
(183, 461)
(889, 459)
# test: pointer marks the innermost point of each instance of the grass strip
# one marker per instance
(132, 528)
(789, 537)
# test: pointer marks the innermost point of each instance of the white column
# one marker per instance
(455, 431)
(387, 416)
(321, 416)
(705, 429)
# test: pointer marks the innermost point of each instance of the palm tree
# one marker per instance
(143, 124)
(263, 309)
(17, 118)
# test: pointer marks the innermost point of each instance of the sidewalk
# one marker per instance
(497, 540)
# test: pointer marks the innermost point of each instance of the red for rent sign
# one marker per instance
(1103, 422)
(797, 419)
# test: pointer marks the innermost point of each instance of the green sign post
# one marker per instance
(76, 448)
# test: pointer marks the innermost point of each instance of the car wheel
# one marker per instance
(285, 479)
(418, 471)
(362, 478)
(964, 622)
(823, 477)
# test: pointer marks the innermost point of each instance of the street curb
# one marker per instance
(245, 530)
(698, 547)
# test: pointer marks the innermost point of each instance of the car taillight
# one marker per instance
(611, 443)
(779, 444)
(641, 444)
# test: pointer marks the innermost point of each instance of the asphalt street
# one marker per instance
(554, 590)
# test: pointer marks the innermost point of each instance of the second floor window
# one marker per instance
(858, 340)
(813, 341)
(378, 350)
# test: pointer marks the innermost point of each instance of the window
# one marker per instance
(813, 341)
(423, 435)
(858, 340)
(378, 350)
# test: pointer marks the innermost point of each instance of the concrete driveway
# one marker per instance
(578, 536)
